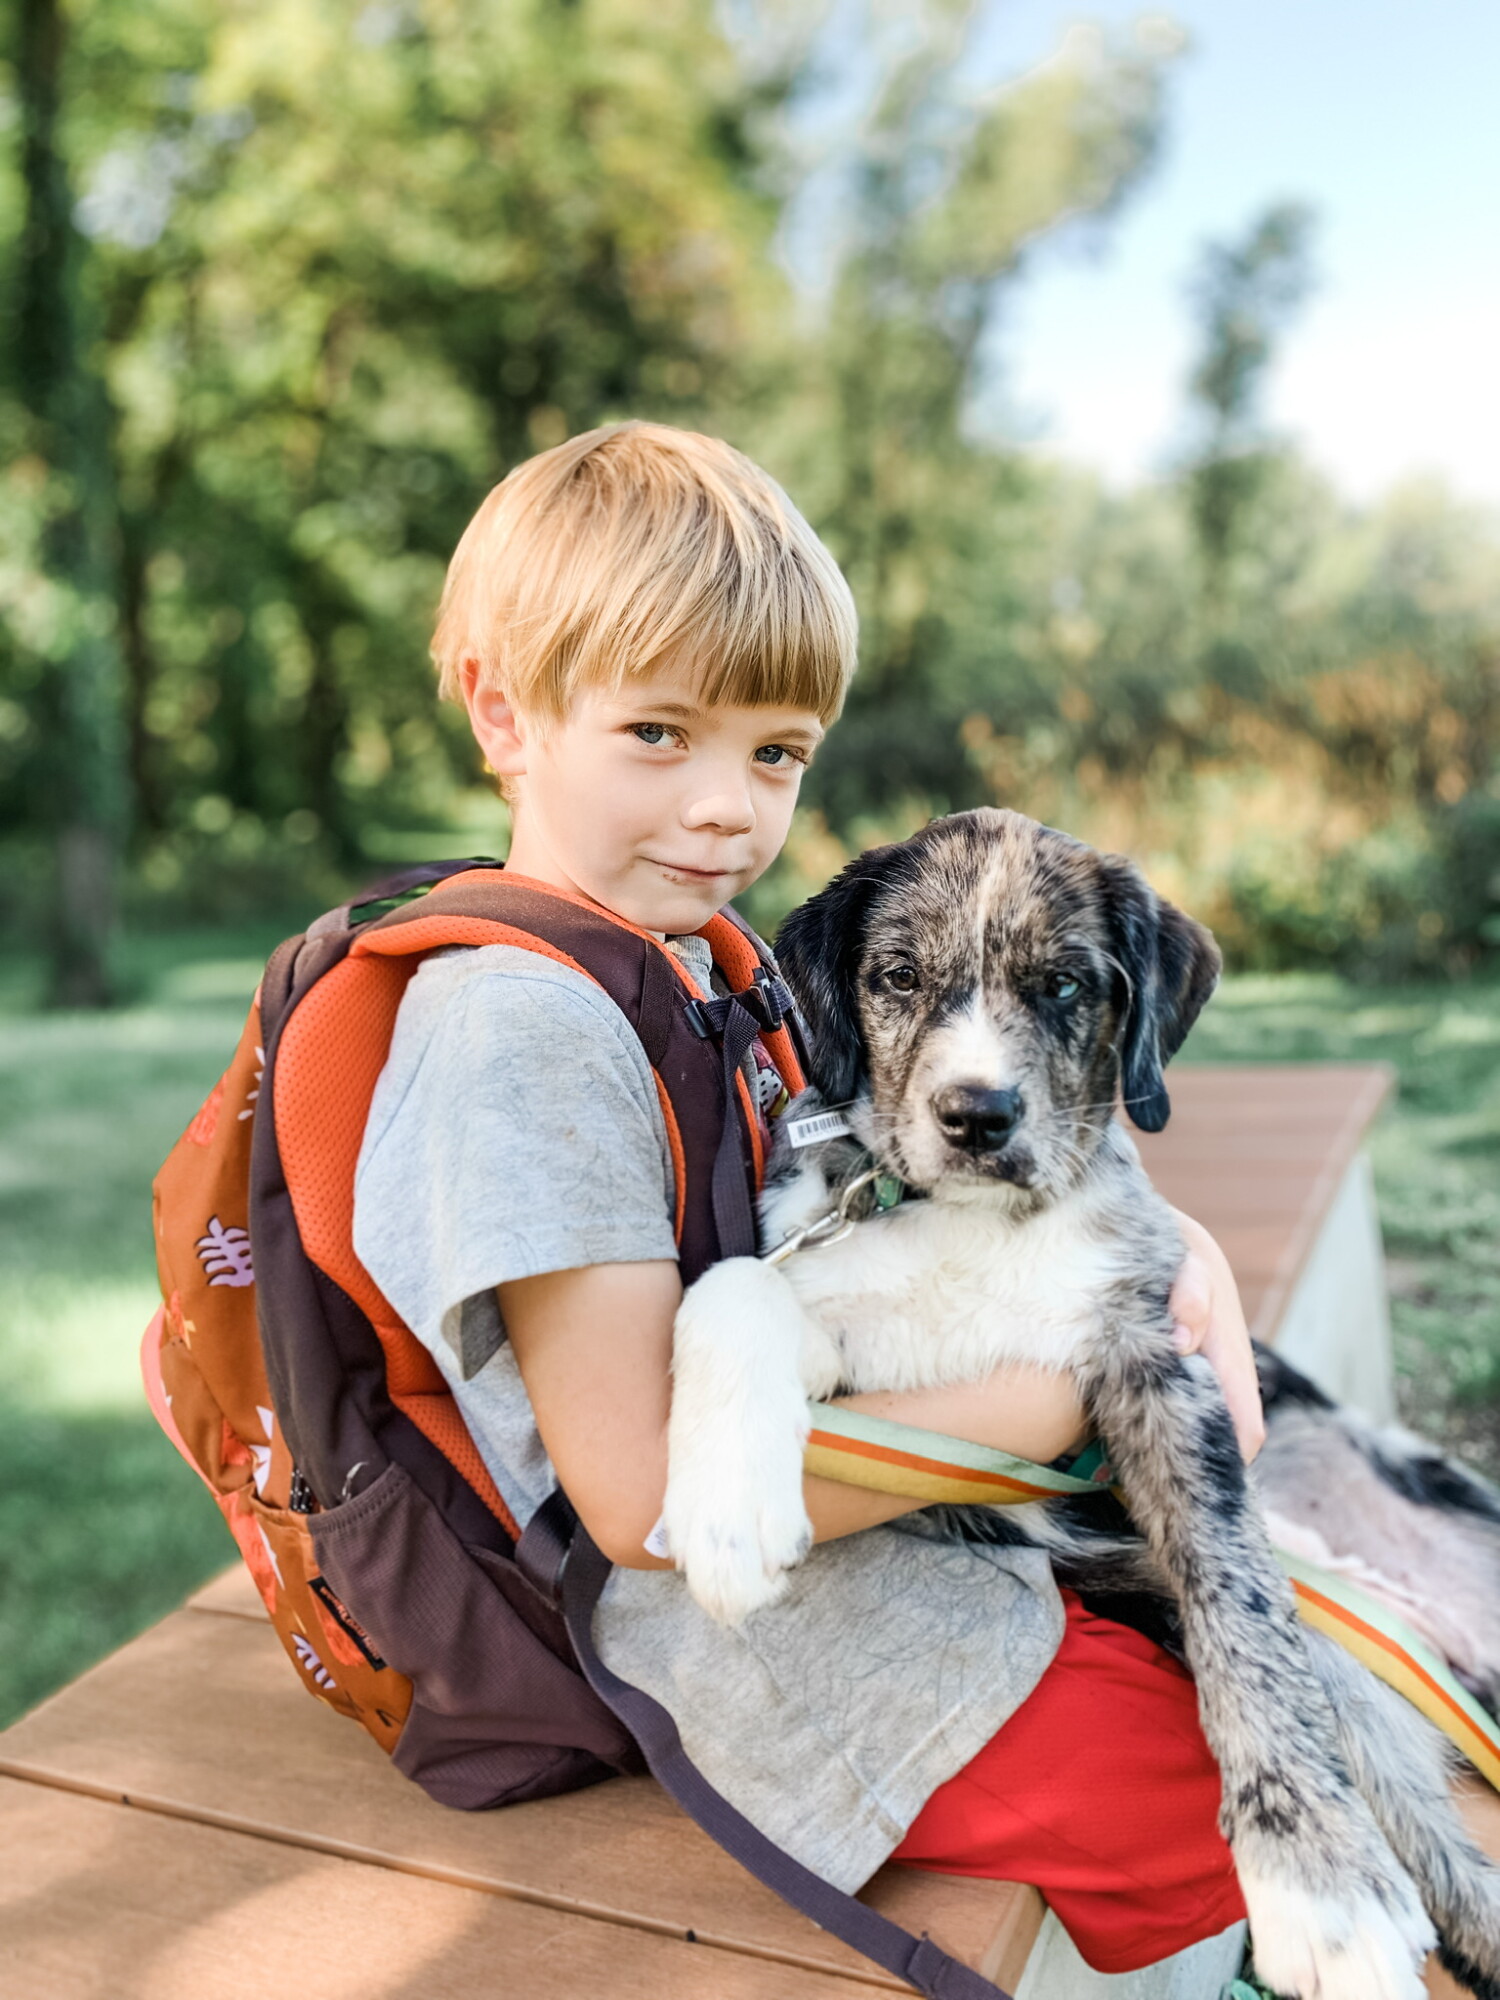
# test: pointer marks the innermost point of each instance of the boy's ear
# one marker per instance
(819, 948)
(1168, 966)
(496, 726)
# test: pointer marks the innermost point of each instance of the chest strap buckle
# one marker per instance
(768, 1002)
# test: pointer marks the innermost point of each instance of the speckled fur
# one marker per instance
(1053, 1247)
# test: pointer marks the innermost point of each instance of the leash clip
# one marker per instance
(831, 1227)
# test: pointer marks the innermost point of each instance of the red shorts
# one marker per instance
(1101, 1791)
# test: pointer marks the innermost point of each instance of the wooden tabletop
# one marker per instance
(184, 1821)
(185, 1806)
(1256, 1153)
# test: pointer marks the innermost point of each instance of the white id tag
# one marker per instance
(820, 1125)
(655, 1543)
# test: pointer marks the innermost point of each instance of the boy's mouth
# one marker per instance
(696, 874)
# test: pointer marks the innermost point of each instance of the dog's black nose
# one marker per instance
(978, 1120)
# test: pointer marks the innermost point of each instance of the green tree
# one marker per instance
(1244, 295)
(65, 436)
(935, 527)
(351, 262)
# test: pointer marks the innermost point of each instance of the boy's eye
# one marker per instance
(654, 733)
(779, 756)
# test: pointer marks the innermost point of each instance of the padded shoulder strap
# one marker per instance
(739, 952)
(485, 906)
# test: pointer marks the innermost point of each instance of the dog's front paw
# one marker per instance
(734, 1518)
(1351, 1943)
(735, 1547)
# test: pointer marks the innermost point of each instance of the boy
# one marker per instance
(650, 643)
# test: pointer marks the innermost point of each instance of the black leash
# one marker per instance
(561, 1561)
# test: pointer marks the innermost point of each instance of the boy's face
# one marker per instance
(648, 801)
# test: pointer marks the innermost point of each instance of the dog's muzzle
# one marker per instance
(975, 1120)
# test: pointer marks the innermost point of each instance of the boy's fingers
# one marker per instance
(1209, 1321)
(1232, 1358)
(1243, 1400)
(1192, 1299)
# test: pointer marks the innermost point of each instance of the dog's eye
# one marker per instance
(1061, 987)
(902, 978)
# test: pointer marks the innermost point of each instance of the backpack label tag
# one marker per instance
(820, 1125)
(345, 1620)
(655, 1543)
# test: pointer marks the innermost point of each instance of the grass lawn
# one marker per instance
(102, 1529)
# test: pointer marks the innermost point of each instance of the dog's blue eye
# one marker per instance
(1062, 988)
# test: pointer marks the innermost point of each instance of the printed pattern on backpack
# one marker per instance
(204, 1355)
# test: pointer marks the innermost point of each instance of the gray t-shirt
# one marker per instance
(515, 1129)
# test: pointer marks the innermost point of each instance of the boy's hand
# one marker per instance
(1211, 1322)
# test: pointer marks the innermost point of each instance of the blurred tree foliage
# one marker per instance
(72, 528)
(348, 264)
(338, 264)
(1244, 293)
(946, 193)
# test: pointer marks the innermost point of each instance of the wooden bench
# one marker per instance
(182, 1820)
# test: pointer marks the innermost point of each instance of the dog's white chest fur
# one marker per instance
(941, 1291)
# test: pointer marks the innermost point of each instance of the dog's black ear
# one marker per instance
(1168, 965)
(818, 949)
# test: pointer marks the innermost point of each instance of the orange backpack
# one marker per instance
(322, 1427)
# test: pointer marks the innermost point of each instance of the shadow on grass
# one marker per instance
(103, 1530)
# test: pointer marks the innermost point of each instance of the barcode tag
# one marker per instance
(821, 1125)
(655, 1543)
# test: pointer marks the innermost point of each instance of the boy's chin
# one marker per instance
(671, 904)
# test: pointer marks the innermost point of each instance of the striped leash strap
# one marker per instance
(860, 1450)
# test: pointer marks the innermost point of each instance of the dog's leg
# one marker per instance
(1332, 1913)
(745, 1358)
(1402, 1764)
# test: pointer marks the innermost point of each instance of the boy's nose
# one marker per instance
(729, 810)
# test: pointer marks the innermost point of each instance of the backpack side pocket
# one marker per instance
(496, 1715)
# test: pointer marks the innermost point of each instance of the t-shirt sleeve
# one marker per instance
(514, 1130)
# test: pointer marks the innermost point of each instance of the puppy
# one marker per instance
(978, 999)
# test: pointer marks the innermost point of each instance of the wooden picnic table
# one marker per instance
(183, 1821)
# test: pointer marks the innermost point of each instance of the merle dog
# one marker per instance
(979, 998)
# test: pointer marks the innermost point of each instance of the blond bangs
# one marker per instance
(639, 547)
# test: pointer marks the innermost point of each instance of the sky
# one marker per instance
(1384, 115)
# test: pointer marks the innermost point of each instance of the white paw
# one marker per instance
(1337, 1947)
(734, 1516)
(736, 1548)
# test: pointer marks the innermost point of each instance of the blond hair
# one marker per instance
(635, 545)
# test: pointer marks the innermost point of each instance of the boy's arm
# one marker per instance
(594, 1348)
